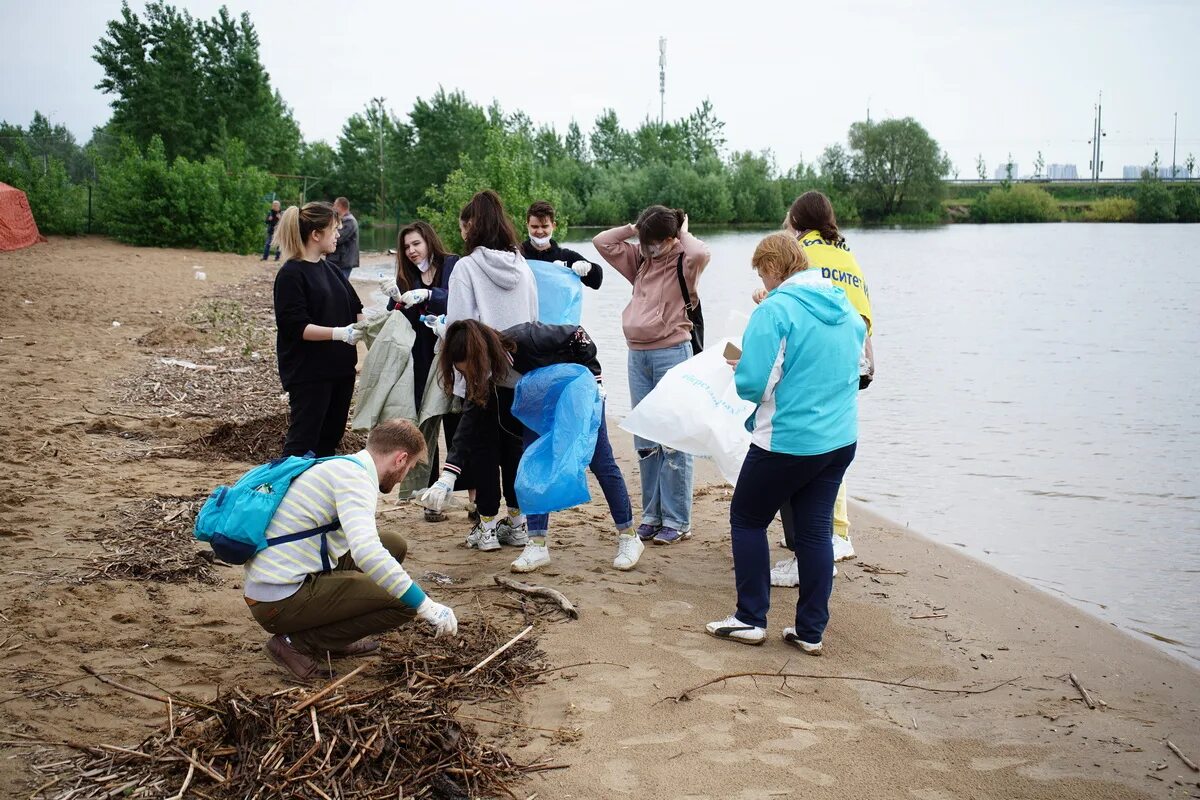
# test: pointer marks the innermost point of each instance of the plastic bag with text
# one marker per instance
(562, 404)
(560, 294)
(695, 408)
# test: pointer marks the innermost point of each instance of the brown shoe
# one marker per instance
(291, 658)
(363, 647)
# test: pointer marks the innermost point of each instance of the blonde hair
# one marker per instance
(297, 225)
(397, 434)
(779, 256)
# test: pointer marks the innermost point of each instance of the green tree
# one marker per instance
(445, 128)
(756, 193)
(195, 84)
(575, 144)
(1020, 203)
(1187, 206)
(1039, 164)
(980, 167)
(610, 143)
(358, 174)
(898, 168)
(507, 166)
(58, 205)
(835, 166)
(705, 132)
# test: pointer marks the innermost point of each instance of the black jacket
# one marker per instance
(538, 345)
(313, 292)
(556, 253)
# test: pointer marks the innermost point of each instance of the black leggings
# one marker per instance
(319, 410)
(493, 467)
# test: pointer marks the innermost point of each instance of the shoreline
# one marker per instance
(909, 610)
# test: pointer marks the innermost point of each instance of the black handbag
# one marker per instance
(694, 313)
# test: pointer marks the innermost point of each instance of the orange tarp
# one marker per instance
(17, 228)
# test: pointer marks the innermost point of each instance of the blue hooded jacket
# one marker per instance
(799, 364)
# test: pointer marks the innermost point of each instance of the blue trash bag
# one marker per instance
(562, 405)
(560, 294)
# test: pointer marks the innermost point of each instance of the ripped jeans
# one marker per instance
(666, 473)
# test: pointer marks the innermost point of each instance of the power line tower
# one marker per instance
(662, 79)
(1097, 134)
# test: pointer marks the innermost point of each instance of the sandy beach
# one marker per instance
(81, 443)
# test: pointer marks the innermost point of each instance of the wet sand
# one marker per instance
(906, 611)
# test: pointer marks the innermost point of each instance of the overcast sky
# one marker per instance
(990, 78)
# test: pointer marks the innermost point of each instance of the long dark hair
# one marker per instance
(481, 353)
(487, 223)
(407, 274)
(812, 211)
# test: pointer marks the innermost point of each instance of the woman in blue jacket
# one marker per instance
(799, 365)
(423, 269)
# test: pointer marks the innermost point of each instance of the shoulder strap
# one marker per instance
(683, 290)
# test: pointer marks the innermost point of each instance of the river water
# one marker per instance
(1033, 401)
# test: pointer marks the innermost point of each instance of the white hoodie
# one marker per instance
(495, 287)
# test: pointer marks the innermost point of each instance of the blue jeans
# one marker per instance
(666, 473)
(809, 484)
(267, 246)
(345, 271)
(607, 473)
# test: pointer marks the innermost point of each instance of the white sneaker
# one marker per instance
(534, 557)
(735, 630)
(789, 636)
(843, 550)
(629, 550)
(483, 538)
(515, 535)
(786, 573)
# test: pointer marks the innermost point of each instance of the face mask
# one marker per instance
(539, 241)
(654, 249)
(423, 266)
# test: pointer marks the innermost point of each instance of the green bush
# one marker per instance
(214, 204)
(1187, 204)
(506, 167)
(59, 206)
(1020, 203)
(1112, 209)
(1154, 201)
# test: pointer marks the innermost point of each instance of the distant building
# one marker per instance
(1062, 172)
(1133, 173)
(1002, 171)
(1130, 172)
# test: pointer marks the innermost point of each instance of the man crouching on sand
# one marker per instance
(323, 595)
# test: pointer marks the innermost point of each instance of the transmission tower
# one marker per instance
(662, 79)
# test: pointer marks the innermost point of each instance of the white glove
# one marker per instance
(602, 391)
(434, 498)
(349, 335)
(439, 616)
(388, 287)
(436, 323)
(581, 268)
(415, 297)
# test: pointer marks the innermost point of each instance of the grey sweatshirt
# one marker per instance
(495, 287)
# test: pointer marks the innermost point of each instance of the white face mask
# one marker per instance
(423, 266)
(539, 241)
(654, 249)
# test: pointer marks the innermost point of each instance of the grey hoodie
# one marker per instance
(495, 287)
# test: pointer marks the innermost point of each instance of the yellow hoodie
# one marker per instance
(837, 264)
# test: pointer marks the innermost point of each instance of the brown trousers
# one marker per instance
(336, 608)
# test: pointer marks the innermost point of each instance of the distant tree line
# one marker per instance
(199, 142)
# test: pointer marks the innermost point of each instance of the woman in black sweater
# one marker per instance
(314, 309)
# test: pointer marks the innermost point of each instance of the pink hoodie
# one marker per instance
(655, 317)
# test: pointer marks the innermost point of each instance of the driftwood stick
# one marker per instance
(540, 591)
(1084, 693)
(498, 651)
(187, 780)
(327, 690)
(157, 698)
(1191, 764)
(686, 693)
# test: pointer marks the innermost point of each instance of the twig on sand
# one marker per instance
(1191, 764)
(540, 591)
(498, 651)
(159, 698)
(325, 692)
(1084, 693)
(686, 693)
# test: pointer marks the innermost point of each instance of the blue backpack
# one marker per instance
(234, 519)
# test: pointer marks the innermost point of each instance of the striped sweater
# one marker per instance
(332, 490)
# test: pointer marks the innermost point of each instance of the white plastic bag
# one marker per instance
(695, 408)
